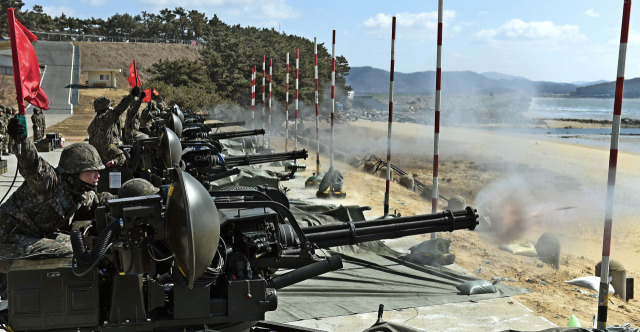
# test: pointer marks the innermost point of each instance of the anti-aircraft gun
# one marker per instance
(189, 260)
(149, 158)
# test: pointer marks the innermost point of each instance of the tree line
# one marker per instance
(229, 52)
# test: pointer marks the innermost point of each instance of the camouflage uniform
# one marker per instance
(12, 113)
(3, 131)
(103, 132)
(147, 117)
(131, 130)
(46, 201)
(37, 119)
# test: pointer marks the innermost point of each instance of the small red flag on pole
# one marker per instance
(134, 79)
(147, 96)
(26, 70)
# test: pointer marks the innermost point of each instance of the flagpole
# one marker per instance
(16, 65)
(16, 74)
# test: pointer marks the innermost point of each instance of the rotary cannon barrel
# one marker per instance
(224, 124)
(264, 158)
(236, 134)
(361, 231)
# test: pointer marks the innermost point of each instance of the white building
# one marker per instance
(102, 77)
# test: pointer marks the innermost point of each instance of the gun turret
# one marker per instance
(189, 257)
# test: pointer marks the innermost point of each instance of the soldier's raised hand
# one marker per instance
(135, 91)
(16, 129)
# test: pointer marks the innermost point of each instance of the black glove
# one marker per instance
(135, 91)
(16, 129)
(142, 95)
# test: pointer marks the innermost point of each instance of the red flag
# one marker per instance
(147, 96)
(134, 79)
(26, 70)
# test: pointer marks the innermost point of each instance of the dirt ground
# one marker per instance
(560, 199)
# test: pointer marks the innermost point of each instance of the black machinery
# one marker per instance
(189, 260)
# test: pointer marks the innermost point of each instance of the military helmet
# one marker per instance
(79, 157)
(101, 104)
(137, 187)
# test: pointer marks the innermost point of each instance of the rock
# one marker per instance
(383, 173)
(548, 249)
(369, 166)
(456, 203)
(407, 181)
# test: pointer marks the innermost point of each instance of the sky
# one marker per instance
(542, 40)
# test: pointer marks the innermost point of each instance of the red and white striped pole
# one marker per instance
(264, 60)
(315, 76)
(391, 72)
(603, 297)
(333, 95)
(253, 97)
(436, 126)
(270, 77)
(295, 124)
(286, 135)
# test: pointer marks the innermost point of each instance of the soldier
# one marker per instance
(5, 121)
(102, 130)
(147, 117)
(47, 200)
(131, 130)
(11, 113)
(3, 131)
(37, 119)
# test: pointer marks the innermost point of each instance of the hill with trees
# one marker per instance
(222, 70)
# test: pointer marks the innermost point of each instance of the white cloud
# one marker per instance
(94, 3)
(518, 30)
(591, 13)
(409, 25)
(57, 11)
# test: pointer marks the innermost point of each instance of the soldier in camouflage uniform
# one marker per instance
(5, 143)
(11, 113)
(131, 131)
(102, 129)
(147, 117)
(37, 119)
(3, 131)
(47, 200)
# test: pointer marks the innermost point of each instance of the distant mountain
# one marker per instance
(584, 83)
(368, 80)
(607, 90)
(498, 76)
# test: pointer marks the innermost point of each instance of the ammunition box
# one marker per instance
(46, 294)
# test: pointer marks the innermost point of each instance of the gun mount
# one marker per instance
(203, 161)
(188, 259)
(203, 132)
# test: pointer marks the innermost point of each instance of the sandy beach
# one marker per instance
(526, 187)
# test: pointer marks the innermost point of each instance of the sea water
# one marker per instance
(582, 108)
(585, 108)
